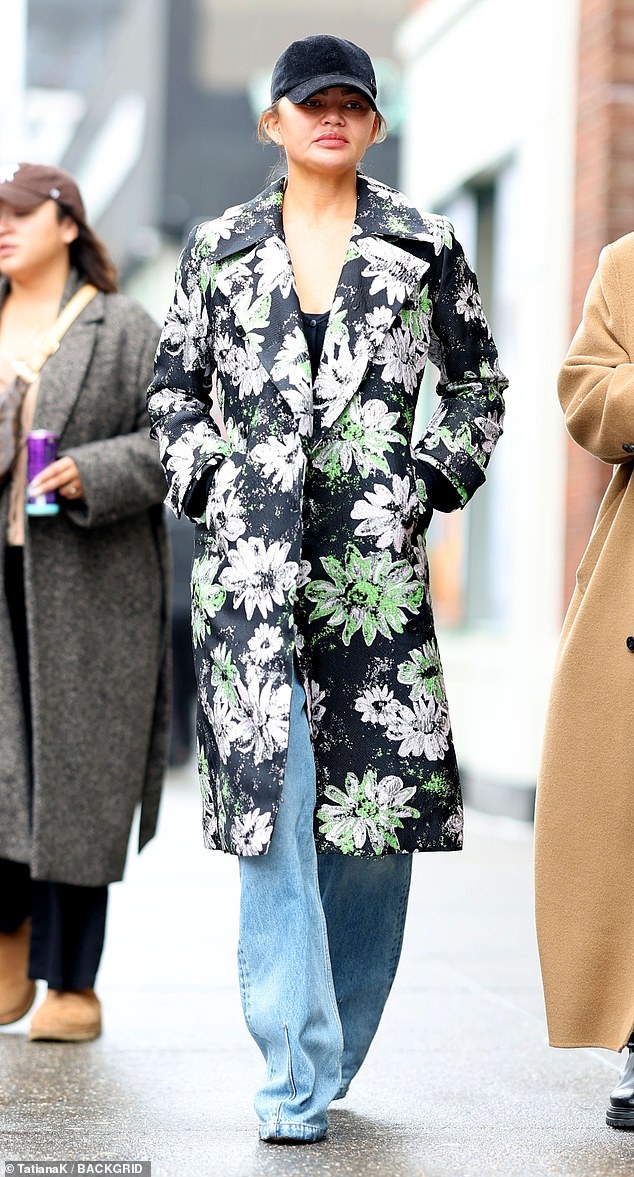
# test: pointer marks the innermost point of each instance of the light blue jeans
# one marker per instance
(320, 939)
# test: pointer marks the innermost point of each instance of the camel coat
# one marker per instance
(585, 797)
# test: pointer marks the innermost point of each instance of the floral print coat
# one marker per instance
(312, 541)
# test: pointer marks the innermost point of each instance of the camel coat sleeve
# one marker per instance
(596, 379)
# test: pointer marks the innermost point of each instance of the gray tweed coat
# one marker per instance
(97, 597)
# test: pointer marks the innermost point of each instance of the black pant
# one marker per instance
(68, 925)
(184, 691)
(68, 922)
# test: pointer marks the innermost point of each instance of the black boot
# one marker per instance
(620, 1113)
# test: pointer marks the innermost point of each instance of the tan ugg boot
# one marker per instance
(67, 1015)
(17, 992)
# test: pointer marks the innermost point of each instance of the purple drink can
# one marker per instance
(41, 450)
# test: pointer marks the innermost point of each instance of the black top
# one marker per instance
(315, 331)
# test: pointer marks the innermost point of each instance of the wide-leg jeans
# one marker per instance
(320, 940)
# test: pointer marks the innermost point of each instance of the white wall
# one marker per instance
(489, 84)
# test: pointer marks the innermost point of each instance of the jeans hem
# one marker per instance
(291, 1130)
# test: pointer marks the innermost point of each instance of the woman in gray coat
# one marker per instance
(83, 707)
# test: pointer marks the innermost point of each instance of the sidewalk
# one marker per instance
(459, 1080)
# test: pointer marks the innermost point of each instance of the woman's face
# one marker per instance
(30, 242)
(327, 133)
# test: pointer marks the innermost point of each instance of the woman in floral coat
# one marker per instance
(325, 748)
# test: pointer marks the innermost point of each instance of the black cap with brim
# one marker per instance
(307, 89)
(315, 63)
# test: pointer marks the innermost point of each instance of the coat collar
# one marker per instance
(381, 270)
(64, 372)
(381, 211)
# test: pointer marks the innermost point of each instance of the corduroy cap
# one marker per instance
(25, 185)
(314, 63)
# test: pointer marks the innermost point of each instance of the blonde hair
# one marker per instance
(265, 138)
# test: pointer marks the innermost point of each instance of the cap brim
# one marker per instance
(19, 197)
(314, 85)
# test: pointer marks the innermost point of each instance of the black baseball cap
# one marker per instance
(314, 63)
(25, 185)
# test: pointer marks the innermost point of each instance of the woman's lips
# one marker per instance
(332, 140)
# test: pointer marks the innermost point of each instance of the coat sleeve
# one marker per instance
(122, 475)
(596, 380)
(179, 400)
(462, 434)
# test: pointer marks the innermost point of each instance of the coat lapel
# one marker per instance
(378, 276)
(64, 373)
(260, 289)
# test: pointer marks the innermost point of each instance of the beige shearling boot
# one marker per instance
(67, 1015)
(17, 991)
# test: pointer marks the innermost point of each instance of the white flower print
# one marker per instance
(388, 514)
(402, 360)
(292, 359)
(259, 576)
(377, 705)
(242, 365)
(441, 233)
(223, 673)
(282, 460)
(491, 427)
(220, 715)
(300, 400)
(260, 719)
(265, 643)
(209, 234)
(210, 820)
(368, 810)
(316, 710)
(454, 825)
(253, 314)
(390, 268)
(224, 514)
(186, 329)
(423, 729)
(339, 372)
(304, 573)
(468, 303)
(251, 833)
(184, 455)
(364, 435)
(274, 267)
(378, 322)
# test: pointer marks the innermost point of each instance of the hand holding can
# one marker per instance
(41, 450)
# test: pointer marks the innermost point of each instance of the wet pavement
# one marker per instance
(459, 1081)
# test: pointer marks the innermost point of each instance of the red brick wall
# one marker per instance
(604, 209)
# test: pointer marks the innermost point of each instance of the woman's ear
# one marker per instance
(272, 128)
(70, 230)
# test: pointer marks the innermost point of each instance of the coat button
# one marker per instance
(629, 642)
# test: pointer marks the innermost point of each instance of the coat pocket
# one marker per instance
(225, 510)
